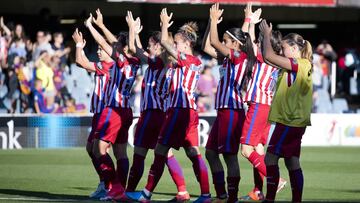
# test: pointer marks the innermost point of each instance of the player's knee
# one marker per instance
(140, 151)
(260, 149)
(211, 155)
(292, 163)
(161, 149)
(120, 151)
(99, 148)
(192, 151)
(232, 162)
(170, 153)
(246, 150)
(271, 159)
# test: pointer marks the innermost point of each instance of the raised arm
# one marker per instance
(206, 45)
(269, 53)
(165, 24)
(247, 12)
(98, 38)
(99, 21)
(134, 30)
(80, 57)
(39, 59)
(4, 27)
(255, 19)
(215, 15)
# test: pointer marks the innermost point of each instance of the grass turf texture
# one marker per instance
(332, 174)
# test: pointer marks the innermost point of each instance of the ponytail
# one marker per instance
(250, 56)
(304, 45)
(189, 32)
(306, 51)
(246, 47)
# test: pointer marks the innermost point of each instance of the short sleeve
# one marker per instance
(304, 69)
(294, 65)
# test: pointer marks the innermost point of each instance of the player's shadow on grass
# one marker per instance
(45, 195)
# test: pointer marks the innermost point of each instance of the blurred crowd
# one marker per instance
(38, 77)
(32, 74)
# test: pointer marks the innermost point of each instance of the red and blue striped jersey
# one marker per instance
(155, 85)
(102, 77)
(184, 78)
(228, 94)
(122, 78)
(261, 86)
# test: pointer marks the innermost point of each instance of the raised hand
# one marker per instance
(248, 10)
(78, 38)
(165, 18)
(215, 13)
(99, 18)
(138, 26)
(255, 17)
(265, 28)
(88, 21)
(130, 20)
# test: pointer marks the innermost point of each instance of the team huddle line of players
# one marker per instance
(272, 74)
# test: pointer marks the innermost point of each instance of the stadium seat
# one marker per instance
(323, 102)
(340, 105)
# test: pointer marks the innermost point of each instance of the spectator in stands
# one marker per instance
(59, 48)
(72, 107)
(327, 56)
(23, 76)
(18, 48)
(17, 43)
(40, 104)
(62, 92)
(13, 92)
(352, 66)
(5, 36)
(42, 44)
(317, 77)
(206, 90)
(45, 73)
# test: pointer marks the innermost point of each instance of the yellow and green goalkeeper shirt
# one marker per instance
(292, 101)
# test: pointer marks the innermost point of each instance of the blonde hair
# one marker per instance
(304, 45)
(189, 32)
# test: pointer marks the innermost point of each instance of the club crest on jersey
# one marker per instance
(99, 66)
(236, 54)
(182, 56)
(122, 58)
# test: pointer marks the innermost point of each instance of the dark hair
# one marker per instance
(123, 38)
(156, 36)
(304, 45)
(247, 48)
(188, 31)
(275, 41)
(56, 34)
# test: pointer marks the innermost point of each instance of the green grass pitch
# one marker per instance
(332, 174)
